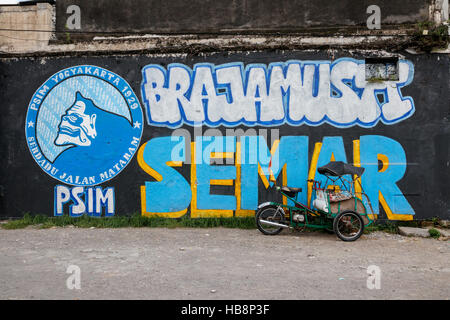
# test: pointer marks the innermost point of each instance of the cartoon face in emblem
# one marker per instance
(96, 138)
(86, 130)
(77, 126)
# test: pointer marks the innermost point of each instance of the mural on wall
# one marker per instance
(171, 195)
(293, 92)
(83, 126)
(85, 123)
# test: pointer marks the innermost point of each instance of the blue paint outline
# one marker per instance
(245, 71)
(86, 201)
(85, 198)
(402, 98)
(136, 114)
(104, 204)
(55, 213)
(72, 198)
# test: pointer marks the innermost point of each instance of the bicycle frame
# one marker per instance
(322, 219)
(314, 218)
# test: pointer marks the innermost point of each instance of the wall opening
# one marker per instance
(382, 69)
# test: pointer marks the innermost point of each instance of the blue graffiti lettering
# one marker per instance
(293, 92)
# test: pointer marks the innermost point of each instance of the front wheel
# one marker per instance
(273, 214)
(348, 226)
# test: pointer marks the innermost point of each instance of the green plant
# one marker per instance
(376, 80)
(388, 226)
(135, 221)
(435, 221)
(425, 25)
(68, 39)
(434, 233)
(436, 36)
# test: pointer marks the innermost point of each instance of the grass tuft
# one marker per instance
(134, 221)
(386, 226)
(434, 233)
(138, 221)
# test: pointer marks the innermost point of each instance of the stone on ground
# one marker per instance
(444, 232)
(414, 232)
(445, 223)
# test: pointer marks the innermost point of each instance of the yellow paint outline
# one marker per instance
(221, 155)
(176, 214)
(312, 169)
(158, 177)
(202, 213)
(357, 163)
(358, 183)
(263, 177)
(144, 166)
(261, 173)
(391, 216)
(284, 181)
(384, 160)
(174, 163)
(221, 182)
(389, 213)
(238, 187)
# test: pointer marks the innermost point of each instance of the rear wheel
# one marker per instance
(273, 214)
(348, 226)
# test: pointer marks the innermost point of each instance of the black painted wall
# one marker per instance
(200, 16)
(425, 136)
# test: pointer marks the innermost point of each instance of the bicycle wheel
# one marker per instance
(270, 213)
(348, 226)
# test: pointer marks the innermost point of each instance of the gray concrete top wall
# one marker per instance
(206, 16)
(25, 27)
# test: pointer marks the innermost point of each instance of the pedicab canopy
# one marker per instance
(339, 168)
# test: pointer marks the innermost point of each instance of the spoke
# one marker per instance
(349, 225)
(271, 215)
(357, 222)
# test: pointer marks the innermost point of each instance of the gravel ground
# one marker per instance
(218, 263)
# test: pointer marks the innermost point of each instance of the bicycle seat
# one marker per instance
(290, 189)
(291, 192)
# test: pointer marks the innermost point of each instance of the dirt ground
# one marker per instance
(218, 263)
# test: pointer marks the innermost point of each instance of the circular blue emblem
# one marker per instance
(84, 125)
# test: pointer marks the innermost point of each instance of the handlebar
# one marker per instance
(316, 184)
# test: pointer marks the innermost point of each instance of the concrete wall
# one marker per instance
(186, 123)
(199, 16)
(195, 27)
(116, 136)
(26, 27)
